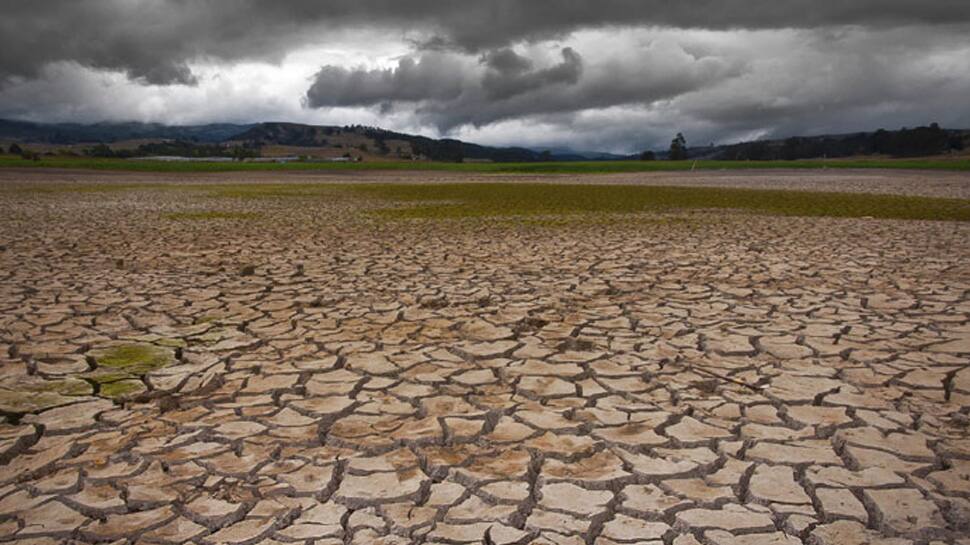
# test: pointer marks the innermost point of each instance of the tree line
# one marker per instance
(906, 142)
(178, 148)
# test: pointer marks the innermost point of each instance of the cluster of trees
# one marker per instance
(454, 151)
(178, 148)
(16, 149)
(916, 142)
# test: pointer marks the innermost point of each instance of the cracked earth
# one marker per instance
(314, 375)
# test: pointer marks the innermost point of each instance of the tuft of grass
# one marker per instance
(508, 199)
(210, 215)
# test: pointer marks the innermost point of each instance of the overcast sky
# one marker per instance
(615, 75)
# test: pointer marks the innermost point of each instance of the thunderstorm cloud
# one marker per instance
(618, 75)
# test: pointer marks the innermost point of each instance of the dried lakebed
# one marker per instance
(228, 365)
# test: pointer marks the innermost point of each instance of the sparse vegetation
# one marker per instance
(176, 148)
(533, 200)
(475, 200)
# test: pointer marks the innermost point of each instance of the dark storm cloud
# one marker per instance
(611, 74)
(503, 84)
(508, 76)
(720, 87)
(833, 79)
(433, 77)
(506, 61)
(152, 41)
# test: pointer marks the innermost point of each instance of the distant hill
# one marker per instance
(582, 155)
(109, 133)
(276, 139)
(913, 142)
(273, 139)
(379, 142)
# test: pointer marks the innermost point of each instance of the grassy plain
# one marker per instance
(459, 200)
(477, 200)
(588, 167)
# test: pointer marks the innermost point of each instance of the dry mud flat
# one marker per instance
(307, 374)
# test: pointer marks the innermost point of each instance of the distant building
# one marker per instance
(345, 159)
(288, 159)
(176, 158)
(180, 159)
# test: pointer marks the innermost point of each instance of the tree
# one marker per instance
(648, 156)
(15, 149)
(678, 148)
(241, 153)
(382, 147)
(100, 150)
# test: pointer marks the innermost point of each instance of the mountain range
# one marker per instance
(372, 143)
(273, 138)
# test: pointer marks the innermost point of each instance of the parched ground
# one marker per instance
(296, 370)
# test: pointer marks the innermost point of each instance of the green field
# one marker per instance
(590, 167)
(458, 200)
(525, 199)
(464, 200)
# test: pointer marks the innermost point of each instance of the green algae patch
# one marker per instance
(207, 319)
(28, 402)
(133, 359)
(121, 388)
(119, 369)
(31, 394)
(65, 387)
(118, 373)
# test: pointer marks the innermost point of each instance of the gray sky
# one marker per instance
(611, 75)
